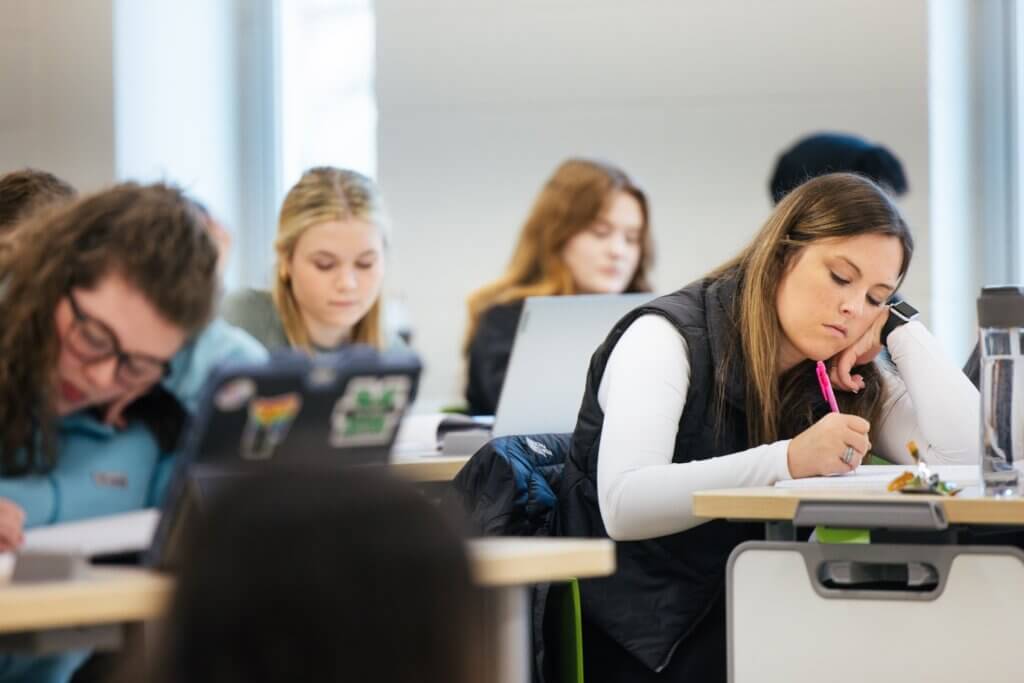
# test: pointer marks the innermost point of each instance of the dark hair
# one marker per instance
(25, 190)
(321, 576)
(152, 236)
(824, 153)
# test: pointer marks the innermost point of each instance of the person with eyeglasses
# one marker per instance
(107, 337)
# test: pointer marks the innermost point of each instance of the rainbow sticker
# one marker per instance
(270, 418)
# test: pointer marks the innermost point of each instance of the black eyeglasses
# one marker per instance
(92, 341)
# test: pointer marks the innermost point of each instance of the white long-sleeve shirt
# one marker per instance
(643, 494)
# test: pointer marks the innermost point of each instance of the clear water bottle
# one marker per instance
(1001, 319)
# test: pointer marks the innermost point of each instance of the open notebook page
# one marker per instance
(879, 476)
(126, 532)
(113, 534)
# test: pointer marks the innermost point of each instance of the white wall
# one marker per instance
(103, 90)
(56, 89)
(177, 99)
(480, 99)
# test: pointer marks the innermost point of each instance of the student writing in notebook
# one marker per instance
(714, 386)
(587, 233)
(331, 248)
(321, 576)
(101, 358)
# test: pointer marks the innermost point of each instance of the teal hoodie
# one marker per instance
(103, 471)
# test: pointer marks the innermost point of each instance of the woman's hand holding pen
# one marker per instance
(819, 449)
(12, 522)
(863, 350)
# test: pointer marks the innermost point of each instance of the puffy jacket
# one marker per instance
(508, 489)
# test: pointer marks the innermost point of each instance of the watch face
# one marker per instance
(904, 310)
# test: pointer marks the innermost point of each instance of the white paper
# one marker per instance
(127, 532)
(422, 434)
(418, 433)
(879, 476)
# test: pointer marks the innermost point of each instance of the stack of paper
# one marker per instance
(124, 533)
(114, 534)
(423, 434)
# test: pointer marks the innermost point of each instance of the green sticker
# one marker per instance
(369, 411)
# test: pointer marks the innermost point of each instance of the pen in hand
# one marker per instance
(826, 390)
(826, 387)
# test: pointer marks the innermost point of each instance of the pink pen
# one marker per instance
(826, 387)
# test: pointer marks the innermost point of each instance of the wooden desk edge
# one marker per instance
(541, 560)
(743, 504)
(130, 594)
(105, 596)
(428, 468)
(767, 503)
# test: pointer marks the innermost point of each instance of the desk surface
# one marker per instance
(104, 596)
(769, 503)
(428, 468)
(517, 561)
(128, 594)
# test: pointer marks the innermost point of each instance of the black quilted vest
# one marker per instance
(663, 586)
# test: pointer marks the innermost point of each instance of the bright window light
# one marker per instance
(328, 108)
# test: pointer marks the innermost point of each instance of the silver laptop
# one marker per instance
(547, 372)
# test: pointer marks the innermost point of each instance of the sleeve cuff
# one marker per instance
(780, 460)
(899, 337)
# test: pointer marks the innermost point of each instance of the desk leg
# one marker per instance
(508, 618)
(779, 530)
(140, 647)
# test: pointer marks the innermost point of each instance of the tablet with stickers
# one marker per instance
(330, 410)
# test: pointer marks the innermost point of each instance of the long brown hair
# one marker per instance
(570, 201)
(152, 236)
(25, 190)
(834, 206)
(325, 194)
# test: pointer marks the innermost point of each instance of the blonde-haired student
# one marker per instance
(587, 233)
(331, 245)
(714, 386)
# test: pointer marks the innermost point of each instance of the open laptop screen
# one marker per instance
(547, 371)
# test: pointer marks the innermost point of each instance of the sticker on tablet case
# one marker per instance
(234, 394)
(270, 418)
(368, 412)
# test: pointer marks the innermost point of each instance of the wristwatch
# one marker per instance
(900, 313)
